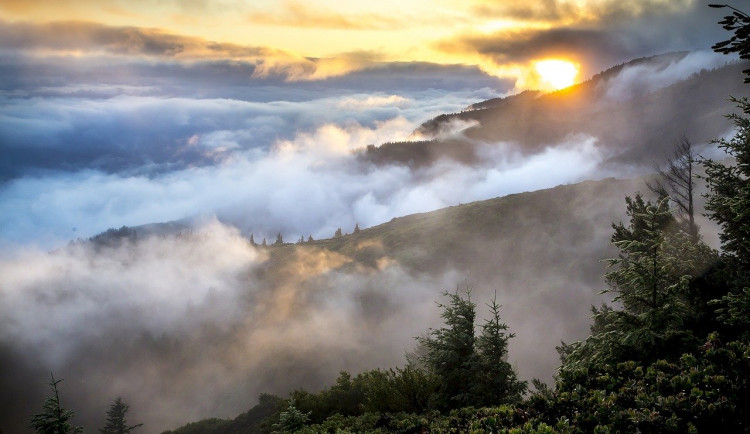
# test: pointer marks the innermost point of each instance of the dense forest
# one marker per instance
(671, 353)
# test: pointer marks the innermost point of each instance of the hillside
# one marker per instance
(632, 127)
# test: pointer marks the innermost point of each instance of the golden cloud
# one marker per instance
(295, 14)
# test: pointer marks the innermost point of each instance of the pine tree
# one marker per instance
(496, 381)
(252, 240)
(116, 423)
(264, 244)
(291, 420)
(54, 419)
(650, 279)
(310, 239)
(728, 204)
(338, 233)
(356, 228)
(450, 352)
(279, 240)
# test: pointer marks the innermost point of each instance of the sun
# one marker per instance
(556, 73)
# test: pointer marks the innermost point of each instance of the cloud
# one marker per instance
(78, 38)
(186, 322)
(263, 192)
(596, 34)
(641, 79)
(567, 11)
(297, 14)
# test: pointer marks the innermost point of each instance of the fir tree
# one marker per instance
(450, 351)
(54, 419)
(356, 228)
(338, 233)
(496, 381)
(252, 240)
(651, 280)
(116, 423)
(728, 205)
(279, 240)
(310, 239)
(291, 420)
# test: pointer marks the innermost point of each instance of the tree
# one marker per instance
(116, 423)
(264, 244)
(310, 239)
(279, 240)
(356, 228)
(739, 23)
(54, 419)
(728, 204)
(450, 351)
(338, 233)
(291, 420)
(496, 381)
(676, 180)
(650, 279)
(252, 240)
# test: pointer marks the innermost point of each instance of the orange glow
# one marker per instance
(556, 74)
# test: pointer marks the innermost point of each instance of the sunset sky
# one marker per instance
(116, 112)
(314, 40)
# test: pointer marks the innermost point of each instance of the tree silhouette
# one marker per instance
(54, 419)
(676, 180)
(116, 423)
(739, 23)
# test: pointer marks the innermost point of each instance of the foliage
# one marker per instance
(54, 419)
(737, 22)
(651, 280)
(707, 392)
(116, 423)
(728, 204)
(496, 381)
(291, 420)
(450, 352)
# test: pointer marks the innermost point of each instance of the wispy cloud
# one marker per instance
(301, 15)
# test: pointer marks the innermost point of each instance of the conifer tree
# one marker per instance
(54, 419)
(338, 233)
(450, 351)
(728, 204)
(279, 240)
(496, 382)
(116, 423)
(310, 239)
(356, 228)
(252, 240)
(651, 280)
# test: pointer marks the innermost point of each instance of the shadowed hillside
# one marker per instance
(631, 126)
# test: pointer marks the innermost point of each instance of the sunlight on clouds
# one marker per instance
(556, 73)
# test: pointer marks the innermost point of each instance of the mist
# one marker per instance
(196, 324)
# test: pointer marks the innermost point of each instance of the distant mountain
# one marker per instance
(633, 119)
